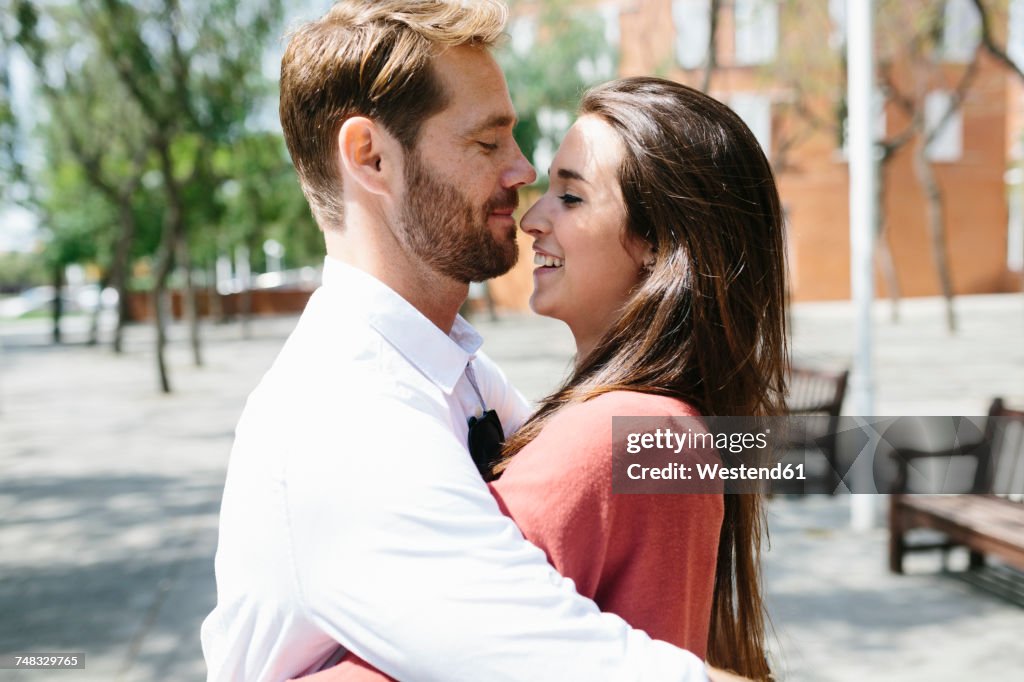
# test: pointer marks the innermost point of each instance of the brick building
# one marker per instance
(778, 65)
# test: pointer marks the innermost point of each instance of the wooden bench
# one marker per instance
(989, 519)
(817, 392)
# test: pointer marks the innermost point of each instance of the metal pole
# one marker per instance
(861, 144)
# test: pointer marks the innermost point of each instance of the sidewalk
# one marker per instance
(109, 494)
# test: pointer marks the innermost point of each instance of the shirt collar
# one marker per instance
(441, 358)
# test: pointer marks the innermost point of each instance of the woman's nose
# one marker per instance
(534, 222)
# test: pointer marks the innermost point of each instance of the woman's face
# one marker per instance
(586, 266)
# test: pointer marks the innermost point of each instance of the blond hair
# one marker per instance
(369, 58)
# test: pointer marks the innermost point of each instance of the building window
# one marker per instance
(948, 144)
(757, 31)
(1015, 229)
(756, 111)
(961, 31)
(692, 19)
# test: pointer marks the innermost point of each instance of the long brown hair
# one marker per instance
(707, 324)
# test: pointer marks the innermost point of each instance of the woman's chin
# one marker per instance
(542, 307)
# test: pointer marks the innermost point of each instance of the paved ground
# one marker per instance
(109, 494)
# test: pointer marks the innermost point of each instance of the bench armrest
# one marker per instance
(968, 450)
(904, 456)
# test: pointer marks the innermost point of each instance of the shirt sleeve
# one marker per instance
(350, 669)
(401, 554)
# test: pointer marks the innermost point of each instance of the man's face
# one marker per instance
(461, 180)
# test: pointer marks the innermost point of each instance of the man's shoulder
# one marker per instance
(334, 353)
(338, 380)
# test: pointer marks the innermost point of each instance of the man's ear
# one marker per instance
(369, 155)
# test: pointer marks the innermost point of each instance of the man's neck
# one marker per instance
(437, 297)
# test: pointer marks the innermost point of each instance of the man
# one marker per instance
(352, 512)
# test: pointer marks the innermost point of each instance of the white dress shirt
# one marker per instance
(353, 514)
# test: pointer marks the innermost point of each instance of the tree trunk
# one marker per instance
(936, 226)
(119, 270)
(711, 60)
(245, 295)
(883, 252)
(172, 230)
(94, 323)
(160, 315)
(123, 315)
(58, 300)
(888, 266)
(189, 303)
(216, 304)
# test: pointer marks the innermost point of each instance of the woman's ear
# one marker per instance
(368, 155)
(644, 254)
(650, 256)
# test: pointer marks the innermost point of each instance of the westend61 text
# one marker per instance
(713, 472)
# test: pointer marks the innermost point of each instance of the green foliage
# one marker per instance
(116, 78)
(569, 54)
(262, 200)
(22, 270)
(12, 143)
(79, 217)
(9, 167)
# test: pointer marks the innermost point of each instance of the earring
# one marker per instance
(649, 263)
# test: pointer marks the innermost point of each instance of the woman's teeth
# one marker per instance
(547, 261)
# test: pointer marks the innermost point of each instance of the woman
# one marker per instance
(660, 244)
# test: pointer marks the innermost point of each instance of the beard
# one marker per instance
(451, 235)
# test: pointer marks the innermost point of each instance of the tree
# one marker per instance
(911, 64)
(93, 122)
(262, 201)
(921, 57)
(11, 166)
(557, 51)
(145, 96)
(989, 41)
(194, 71)
(191, 87)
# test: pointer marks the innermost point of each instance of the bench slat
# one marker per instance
(994, 517)
(987, 524)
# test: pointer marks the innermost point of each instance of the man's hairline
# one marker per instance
(493, 120)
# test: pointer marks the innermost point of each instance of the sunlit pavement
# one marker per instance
(109, 495)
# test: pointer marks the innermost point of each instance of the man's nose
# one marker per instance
(520, 171)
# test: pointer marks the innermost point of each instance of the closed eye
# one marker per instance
(487, 145)
(570, 199)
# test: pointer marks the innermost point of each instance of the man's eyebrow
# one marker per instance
(494, 121)
(568, 174)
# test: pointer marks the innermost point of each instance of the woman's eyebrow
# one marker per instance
(569, 174)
